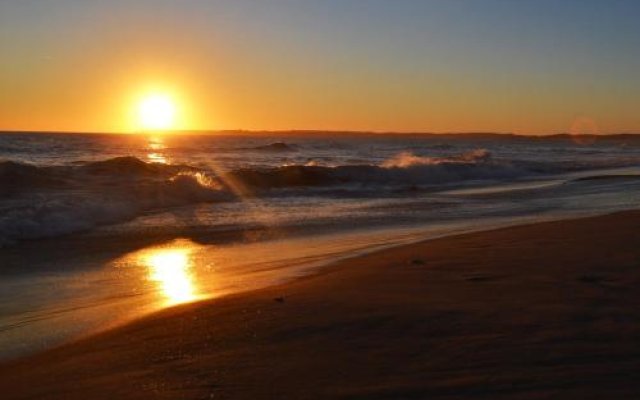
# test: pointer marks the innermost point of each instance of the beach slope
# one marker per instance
(540, 311)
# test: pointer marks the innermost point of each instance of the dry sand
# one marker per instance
(550, 310)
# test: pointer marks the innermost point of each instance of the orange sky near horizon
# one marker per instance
(107, 102)
(86, 66)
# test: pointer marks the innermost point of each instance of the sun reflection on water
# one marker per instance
(156, 149)
(157, 158)
(171, 269)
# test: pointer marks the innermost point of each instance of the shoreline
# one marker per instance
(63, 316)
(356, 313)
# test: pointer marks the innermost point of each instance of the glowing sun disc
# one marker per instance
(156, 112)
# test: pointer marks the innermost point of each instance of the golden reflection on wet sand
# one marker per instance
(171, 269)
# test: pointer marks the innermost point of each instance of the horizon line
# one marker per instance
(310, 131)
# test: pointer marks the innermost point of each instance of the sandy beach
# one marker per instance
(539, 311)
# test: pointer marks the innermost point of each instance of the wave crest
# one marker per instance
(408, 159)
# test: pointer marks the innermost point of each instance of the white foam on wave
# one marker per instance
(408, 159)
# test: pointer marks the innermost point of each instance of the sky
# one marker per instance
(531, 67)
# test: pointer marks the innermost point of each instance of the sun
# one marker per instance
(156, 112)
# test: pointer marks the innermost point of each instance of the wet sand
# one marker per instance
(540, 311)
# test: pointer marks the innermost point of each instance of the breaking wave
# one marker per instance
(39, 202)
(403, 169)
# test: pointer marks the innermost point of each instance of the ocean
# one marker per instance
(97, 229)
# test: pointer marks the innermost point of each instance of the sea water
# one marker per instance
(226, 212)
